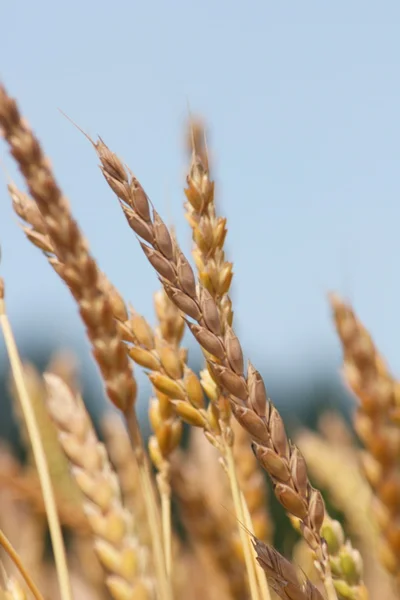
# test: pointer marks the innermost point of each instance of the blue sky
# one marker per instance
(302, 100)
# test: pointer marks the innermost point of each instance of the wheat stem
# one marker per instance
(13, 554)
(330, 588)
(38, 452)
(262, 582)
(166, 527)
(240, 514)
(150, 501)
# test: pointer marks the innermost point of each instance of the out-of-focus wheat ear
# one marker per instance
(199, 579)
(24, 486)
(64, 485)
(115, 542)
(37, 449)
(19, 520)
(282, 576)
(64, 364)
(123, 461)
(87, 568)
(211, 534)
(80, 271)
(13, 588)
(367, 375)
(336, 470)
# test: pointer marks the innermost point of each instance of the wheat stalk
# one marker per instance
(38, 451)
(167, 426)
(7, 546)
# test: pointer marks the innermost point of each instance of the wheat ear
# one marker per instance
(115, 542)
(79, 269)
(249, 401)
(168, 261)
(368, 377)
(215, 274)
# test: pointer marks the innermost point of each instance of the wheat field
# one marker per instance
(119, 516)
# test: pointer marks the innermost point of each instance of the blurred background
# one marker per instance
(301, 100)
